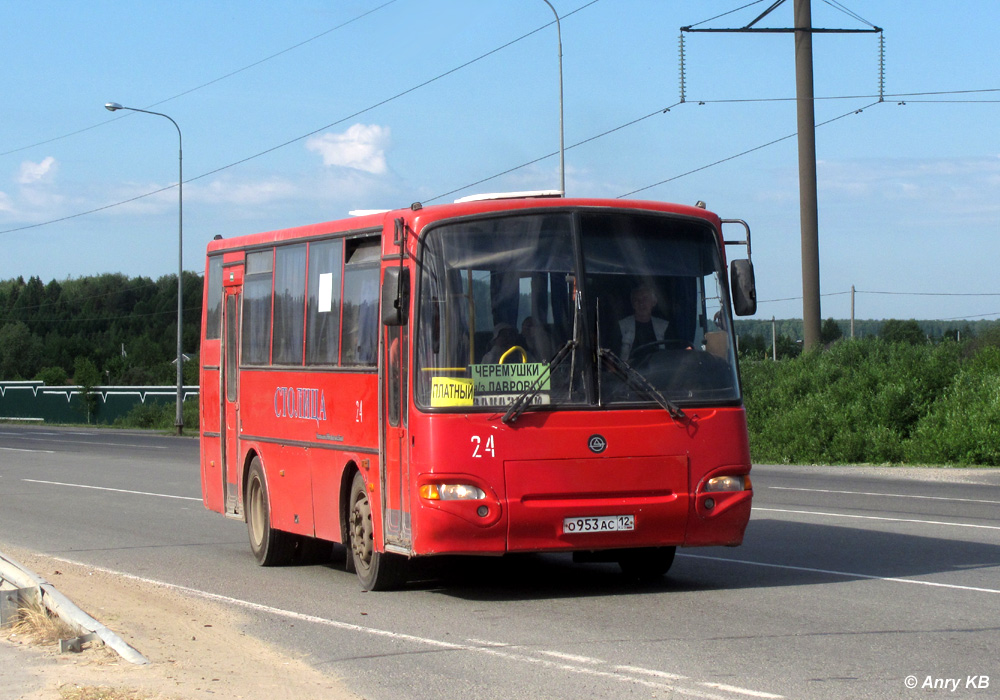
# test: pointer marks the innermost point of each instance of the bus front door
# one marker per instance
(396, 464)
(230, 371)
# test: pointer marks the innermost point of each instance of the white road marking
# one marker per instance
(846, 574)
(491, 648)
(94, 442)
(104, 488)
(884, 495)
(877, 517)
(17, 449)
(650, 672)
(572, 657)
(740, 691)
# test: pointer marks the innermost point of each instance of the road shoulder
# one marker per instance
(196, 647)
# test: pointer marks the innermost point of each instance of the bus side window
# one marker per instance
(326, 261)
(213, 317)
(289, 302)
(257, 308)
(361, 293)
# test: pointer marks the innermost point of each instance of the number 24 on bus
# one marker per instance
(508, 373)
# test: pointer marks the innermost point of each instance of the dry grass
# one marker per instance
(39, 627)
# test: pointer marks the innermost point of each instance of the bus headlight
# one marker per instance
(451, 492)
(726, 483)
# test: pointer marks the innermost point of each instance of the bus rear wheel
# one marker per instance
(270, 547)
(646, 564)
(377, 571)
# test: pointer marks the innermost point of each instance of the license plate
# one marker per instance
(602, 523)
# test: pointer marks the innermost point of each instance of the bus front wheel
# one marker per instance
(270, 547)
(378, 571)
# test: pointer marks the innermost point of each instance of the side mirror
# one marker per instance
(743, 287)
(395, 296)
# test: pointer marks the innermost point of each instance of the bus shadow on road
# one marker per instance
(775, 553)
(527, 577)
(786, 553)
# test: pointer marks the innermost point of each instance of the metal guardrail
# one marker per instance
(19, 585)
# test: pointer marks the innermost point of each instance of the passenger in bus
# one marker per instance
(536, 339)
(505, 337)
(641, 328)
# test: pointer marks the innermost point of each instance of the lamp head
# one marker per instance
(112, 106)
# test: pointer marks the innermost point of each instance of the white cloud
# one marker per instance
(228, 191)
(35, 172)
(361, 147)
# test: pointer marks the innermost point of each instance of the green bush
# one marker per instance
(860, 401)
(963, 427)
(160, 416)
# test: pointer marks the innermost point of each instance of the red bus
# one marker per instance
(518, 373)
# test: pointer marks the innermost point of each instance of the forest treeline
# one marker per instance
(755, 334)
(104, 329)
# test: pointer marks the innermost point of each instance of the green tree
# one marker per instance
(20, 351)
(896, 331)
(753, 346)
(53, 376)
(87, 377)
(830, 332)
(786, 347)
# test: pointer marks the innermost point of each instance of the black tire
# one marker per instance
(377, 571)
(647, 564)
(270, 547)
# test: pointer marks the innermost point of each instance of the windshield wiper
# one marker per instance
(637, 381)
(522, 401)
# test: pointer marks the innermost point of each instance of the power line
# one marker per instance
(933, 294)
(850, 13)
(389, 99)
(662, 110)
(893, 96)
(749, 4)
(203, 85)
(507, 171)
(700, 102)
(743, 153)
(311, 133)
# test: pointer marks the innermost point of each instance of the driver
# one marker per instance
(641, 328)
(504, 337)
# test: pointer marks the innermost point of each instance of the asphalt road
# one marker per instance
(852, 582)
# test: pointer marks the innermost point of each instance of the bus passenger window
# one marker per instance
(323, 304)
(289, 300)
(257, 308)
(360, 331)
(213, 302)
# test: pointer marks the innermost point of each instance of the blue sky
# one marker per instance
(298, 112)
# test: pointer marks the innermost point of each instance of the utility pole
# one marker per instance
(808, 200)
(806, 120)
(852, 312)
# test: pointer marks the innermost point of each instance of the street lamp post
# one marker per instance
(179, 419)
(562, 149)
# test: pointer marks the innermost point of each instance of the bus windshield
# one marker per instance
(638, 298)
